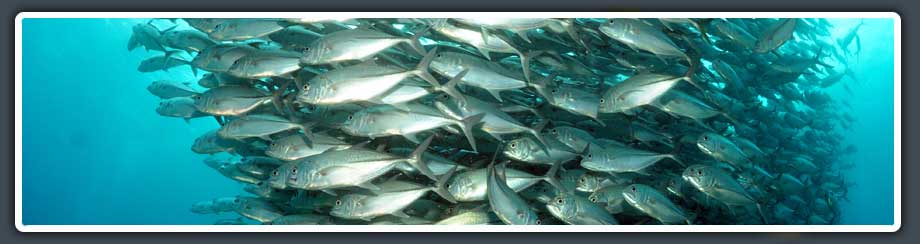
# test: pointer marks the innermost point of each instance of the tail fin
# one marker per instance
(451, 87)
(691, 71)
(542, 85)
(167, 55)
(308, 133)
(441, 185)
(421, 70)
(415, 159)
(467, 125)
(764, 217)
(672, 157)
(550, 177)
(535, 131)
(276, 96)
(415, 43)
(731, 118)
(573, 33)
(525, 62)
(701, 26)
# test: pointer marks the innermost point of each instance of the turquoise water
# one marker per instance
(95, 152)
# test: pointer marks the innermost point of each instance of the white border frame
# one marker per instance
(435, 228)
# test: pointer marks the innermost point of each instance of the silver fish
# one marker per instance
(504, 201)
(651, 202)
(576, 210)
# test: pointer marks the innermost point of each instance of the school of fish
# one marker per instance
(513, 120)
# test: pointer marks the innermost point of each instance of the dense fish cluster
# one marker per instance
(513, 121)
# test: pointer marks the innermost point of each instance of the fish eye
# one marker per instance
(350, 117)
(294, 170)
(554, 91)
(338, 202)
(275, 173)
(539, 222)
(559, 201)
(705, 138)
(592, 199)
(582, 180)
(554, 131)
(633, 189)
(699, 172)
(602, 100)
(197, 97)
(589, 156)
(610, 21)
(236, 200)
(513, 145)
(273, 144)
(306, 87)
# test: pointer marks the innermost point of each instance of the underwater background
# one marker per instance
(96, 152)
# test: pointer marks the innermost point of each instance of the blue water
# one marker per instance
(872, 198)
(95, 152)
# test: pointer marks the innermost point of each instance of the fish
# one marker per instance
(350, 167)
(164, 63)
(260, 126)
(211, 143)
(355, 45)
(638, 90)
(577, 101)
(263, 64)
(622, 159)
(576, 210)
(186, 40)
(526, 149)
(484, 43)
(651, 202)
(243, 29)
(481, 73)
(611, 197)
(220, 57)
(364, 82)
(640, 36)
(231, 100)
(776, 35)
(294, 147)
(471, 218)
(171, 89)
(719, 185)
(180, 107)
(257, 209)
(575, 138)
(723, 149)
(387, 120)
(495, 121)
(145, 35)
(367, 207)
(471, 185)
(505, 203)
